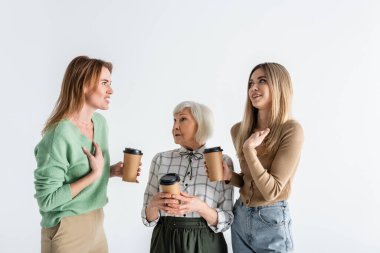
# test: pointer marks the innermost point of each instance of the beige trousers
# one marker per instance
(76, 234)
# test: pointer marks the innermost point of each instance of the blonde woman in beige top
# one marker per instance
(268, 144)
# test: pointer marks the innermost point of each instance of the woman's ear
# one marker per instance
(86, 89)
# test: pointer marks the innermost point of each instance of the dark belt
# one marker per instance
(183, 222)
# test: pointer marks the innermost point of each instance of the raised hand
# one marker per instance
(96, 161)
(256, 139)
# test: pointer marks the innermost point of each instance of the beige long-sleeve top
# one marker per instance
(266, 179)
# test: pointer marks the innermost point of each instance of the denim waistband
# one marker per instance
(182, 222)
(282, 203)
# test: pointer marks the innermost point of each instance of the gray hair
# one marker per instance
(202, 115)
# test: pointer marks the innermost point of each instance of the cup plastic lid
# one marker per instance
(214, 149)
(169, 179)
(133, 151)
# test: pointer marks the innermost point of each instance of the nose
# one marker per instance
(253, 86)
(110, 90)
(175, 125)
(252, 89)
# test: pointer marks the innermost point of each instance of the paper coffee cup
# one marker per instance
(214, 161)
(132, 158)
(169, 183)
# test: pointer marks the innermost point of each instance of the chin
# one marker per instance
(254, 105)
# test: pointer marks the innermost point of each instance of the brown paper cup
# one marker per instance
(214, 163)
(173, 189)
(131, 166)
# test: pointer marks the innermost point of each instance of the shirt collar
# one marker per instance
(199, 150)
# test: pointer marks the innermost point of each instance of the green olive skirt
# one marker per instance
(186, 235)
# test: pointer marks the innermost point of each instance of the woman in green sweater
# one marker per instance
(73, 163)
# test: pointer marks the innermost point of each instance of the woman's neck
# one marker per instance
(262, 120)
(193, 146)
(84, 116)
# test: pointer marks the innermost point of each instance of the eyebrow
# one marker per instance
(258, 78)
(105, 80)
(181, 114)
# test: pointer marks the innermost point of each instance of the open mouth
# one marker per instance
(256, 96)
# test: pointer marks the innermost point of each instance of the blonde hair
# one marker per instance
(202, 115)
(82, 72)
(280, 85)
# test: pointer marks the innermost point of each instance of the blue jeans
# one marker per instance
(261, 229)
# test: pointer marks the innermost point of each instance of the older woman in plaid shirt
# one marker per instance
(194, 223)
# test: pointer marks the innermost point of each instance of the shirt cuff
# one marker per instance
(224, 221)
(146, 222)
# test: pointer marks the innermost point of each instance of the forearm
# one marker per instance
(49, 201)
(265, 182)
(236, 180)
(151, 213)
(82, 183)
(209, 214)
(270, 183)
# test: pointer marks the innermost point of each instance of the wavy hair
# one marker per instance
(82, 72)
(280, 85)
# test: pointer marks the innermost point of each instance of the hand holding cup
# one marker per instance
(227, 172)
(131, 165)
(214, 160)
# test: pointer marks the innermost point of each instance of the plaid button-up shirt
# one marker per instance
(189, 165)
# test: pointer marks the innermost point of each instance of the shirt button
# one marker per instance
(188, 173)
(184, 215)
(247, 201)
(185, 184)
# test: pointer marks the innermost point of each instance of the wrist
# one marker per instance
(249, 146)
(203, 208)
(93, 176)
(151, 213)
(151, 208)
(249, 151)
(229, 176)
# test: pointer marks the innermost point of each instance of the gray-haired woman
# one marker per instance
(205, 209)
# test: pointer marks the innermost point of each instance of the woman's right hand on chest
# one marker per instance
(96, 161)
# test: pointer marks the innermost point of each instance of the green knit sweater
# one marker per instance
(60, 162)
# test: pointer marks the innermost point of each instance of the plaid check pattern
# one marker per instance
(189, 165)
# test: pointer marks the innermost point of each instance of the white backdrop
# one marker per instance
(165, 52)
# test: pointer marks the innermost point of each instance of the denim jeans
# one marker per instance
(261, 229)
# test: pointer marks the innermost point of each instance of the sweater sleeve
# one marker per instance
(271, 181)
(51, 191)
(236, 179)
